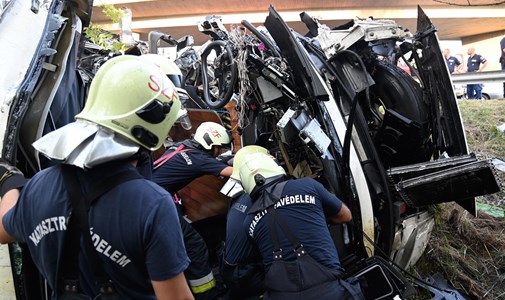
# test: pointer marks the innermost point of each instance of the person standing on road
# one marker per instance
(133, 224)
(502, 60)
(476, 63)
(175, 169)
(453, 62)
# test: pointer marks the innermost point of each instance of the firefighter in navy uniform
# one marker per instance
(176, 168)
(173, 73)
(241, 266)
(130, 108)
(288, 224)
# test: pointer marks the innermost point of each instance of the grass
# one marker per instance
(480, 119)
(470, 251)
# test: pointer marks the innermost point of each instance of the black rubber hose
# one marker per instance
(262, 38)
(218, 103)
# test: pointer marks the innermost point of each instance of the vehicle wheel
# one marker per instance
(402, 135)
(485, 96)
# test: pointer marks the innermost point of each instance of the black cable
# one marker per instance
(350, 121)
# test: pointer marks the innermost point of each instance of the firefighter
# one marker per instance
(130, 108)
(241, 266)
(287, 223)
(172, 71)
(176, 168)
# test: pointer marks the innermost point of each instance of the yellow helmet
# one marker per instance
(255, 170)
(133, 98)
(241, 154)
(210, 134)
(173, 73)
(167, 66)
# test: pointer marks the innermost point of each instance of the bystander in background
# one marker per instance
(502, 60)
(476, 63)
(453, 62)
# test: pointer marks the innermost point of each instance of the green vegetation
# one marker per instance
(480, 119)
(470, 251)
(104, 39)
(112, 12)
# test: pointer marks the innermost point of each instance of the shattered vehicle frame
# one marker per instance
(330, 104)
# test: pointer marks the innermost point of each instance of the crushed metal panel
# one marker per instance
(303, 73)
(449, 134)
(415, 170)
(411, 238)
(452, 184)
(15, 68)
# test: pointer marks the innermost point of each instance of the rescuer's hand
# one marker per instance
(10, 177)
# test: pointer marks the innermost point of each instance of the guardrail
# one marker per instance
(483, 77)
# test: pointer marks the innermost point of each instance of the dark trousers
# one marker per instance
(198, 274)
(503, 68)
(306, 279)
(474, 91)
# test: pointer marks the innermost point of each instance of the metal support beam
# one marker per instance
(483, 77)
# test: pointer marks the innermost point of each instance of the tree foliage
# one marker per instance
(104, 39)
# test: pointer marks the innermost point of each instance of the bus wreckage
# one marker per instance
(329, 103)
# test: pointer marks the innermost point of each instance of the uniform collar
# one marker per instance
(268, 195)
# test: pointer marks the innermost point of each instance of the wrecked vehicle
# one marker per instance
(330, 104)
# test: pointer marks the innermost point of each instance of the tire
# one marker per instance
(400, 142)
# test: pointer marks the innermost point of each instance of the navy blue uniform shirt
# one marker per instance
(238, 246)
(474, 62)
(452, 61)
(304, 206)
(132, 228)
(185, 166)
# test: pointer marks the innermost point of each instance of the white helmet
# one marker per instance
(210, 134)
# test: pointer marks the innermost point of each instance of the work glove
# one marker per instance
(10, 177)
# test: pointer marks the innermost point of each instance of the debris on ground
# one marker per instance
(469, 251)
